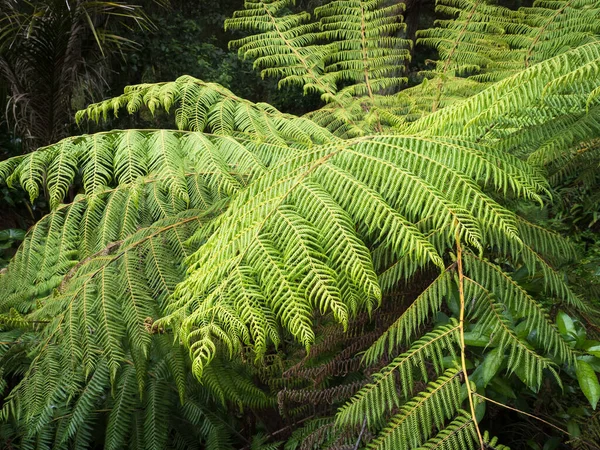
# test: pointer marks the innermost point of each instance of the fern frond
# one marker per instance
(354, 43)
(485, 43)
(92, 316)
(578, 165)
(415, 421)
(241, 236)
(329, 189)
(124, 402)
(284, 46)
(155, 415)
(521, 304)
(229, 381)
(381, 396)
(512, 97)
(460, 433)
(554, 282)
(545, 242)
(365, 50)
(403, 330)
(120, 158)
(211, 108)
(494, 323)
(82, 410)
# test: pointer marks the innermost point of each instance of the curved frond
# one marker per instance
(383, 395)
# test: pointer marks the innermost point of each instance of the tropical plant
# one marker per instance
(357, 277)
(54, 56)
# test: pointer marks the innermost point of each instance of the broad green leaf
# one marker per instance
(573, 428)
(502, 387)
(488, 369)
(593, 361)
(12, 234)
(588, 381)
(593, 348)
(476, 339)
(566, 326)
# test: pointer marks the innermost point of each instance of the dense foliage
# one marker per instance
(54, 55)
(387, 271)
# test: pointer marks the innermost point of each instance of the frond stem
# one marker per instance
(302, 60)
(362, 431)
(436, 102)
(541, 31)
(461, 327)
(364, 49)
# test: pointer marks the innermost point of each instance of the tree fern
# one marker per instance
(362, 46)
(200, 107)
(366, 49)
(183, 274)
(479, 43)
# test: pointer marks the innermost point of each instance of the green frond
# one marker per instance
(316, 281)
(366, 51)
(108, 320)
(166, 161)
(230, 381)
(285, 45)
(468, 44)
(88, 400)
(373, 190)
(96, 165)
(554, 282)
(522, 306)
(69, 235)
(511, 98)
(483, 43)
(29, 173)
(155, 415)
(354, 44)
(209, 107)
(61, 172)
(416, 420)
(393, 231)
(545, 242)
(547, 145)
(460, 433)
(124, 158)
(382, 395)
(349, 117)
(557, 26)
(215, 432)
(495, 323)
(98, 310)
(124, 402)
(181, 272)
(403, 330)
